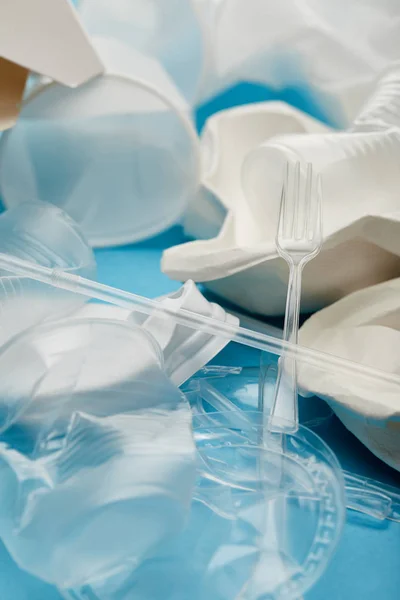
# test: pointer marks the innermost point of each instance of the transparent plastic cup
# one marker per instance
(46, 236)
(158, 29)
(118, 154)
(103, 496)
(63, 358)
(96, 451)
(229, 549)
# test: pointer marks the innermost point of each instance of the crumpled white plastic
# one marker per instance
(338, 48)
(360, 208)
(290, 42)
(363, 327)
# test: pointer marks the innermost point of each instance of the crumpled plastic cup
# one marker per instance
(96, 451)
(118, 154)
(45, 235)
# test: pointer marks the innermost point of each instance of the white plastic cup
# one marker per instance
(360, 189)
(353, 165)
(119, 154)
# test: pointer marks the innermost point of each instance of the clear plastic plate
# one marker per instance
(234, 545)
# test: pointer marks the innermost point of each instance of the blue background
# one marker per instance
(367, 562)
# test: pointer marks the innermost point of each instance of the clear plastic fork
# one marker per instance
(298, 240)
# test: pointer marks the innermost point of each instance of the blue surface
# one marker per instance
(366, 564)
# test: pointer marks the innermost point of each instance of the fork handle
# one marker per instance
(285, 405)
(292, 311)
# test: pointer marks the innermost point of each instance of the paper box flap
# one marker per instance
(46, 36)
